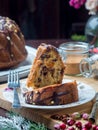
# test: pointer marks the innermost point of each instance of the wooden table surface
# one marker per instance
(43, 115)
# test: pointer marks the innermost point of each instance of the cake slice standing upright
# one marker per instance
(47, 68)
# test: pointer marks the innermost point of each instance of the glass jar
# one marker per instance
(89, 66)
(91, 30)
(73, 53)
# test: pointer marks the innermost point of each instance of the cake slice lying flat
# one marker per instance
(56, 94)
(47, 68)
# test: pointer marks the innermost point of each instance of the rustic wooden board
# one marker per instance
(43, 116)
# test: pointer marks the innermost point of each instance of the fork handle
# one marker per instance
(16, 101)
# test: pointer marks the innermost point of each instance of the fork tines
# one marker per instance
(13, 76)
(16, 78)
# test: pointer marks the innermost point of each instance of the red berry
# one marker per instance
(94, 127)
(70, 122)
(71, 128)
(85, 116)
(84, 128)
(62, 126)
(95, 50)
(78, 124)
(88, 125)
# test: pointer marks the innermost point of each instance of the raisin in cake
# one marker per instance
(47, 68)
(56, 94)
(12, 44)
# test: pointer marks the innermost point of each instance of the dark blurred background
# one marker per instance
(45, 19)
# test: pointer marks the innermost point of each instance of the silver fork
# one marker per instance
(13, 82)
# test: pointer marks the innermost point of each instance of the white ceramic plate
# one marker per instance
(86, 94)
(23, 68)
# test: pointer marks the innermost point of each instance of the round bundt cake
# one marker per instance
(12, 44)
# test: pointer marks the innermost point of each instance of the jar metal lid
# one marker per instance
(75, 47)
